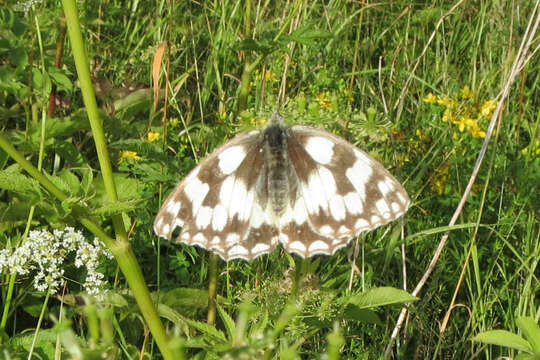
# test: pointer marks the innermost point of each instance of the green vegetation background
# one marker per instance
(413, 83)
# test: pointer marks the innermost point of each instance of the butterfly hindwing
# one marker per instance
(341, 190)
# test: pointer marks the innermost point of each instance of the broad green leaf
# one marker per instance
(381, 296)
(185, 298)
(59, 78)
(531, 331)
(353, 312)
(503, 338)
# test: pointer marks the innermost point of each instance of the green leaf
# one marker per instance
(12, 180)
(185, 298)
(503, 338)
(353, 312)
(531, 331)
(60, 79)
(230, 326)
(209, 330)
(381, 296)
(117, 207)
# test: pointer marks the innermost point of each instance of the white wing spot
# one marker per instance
(231, 158)
(327, 180)
(300, 212)
(343, 229)
(238, 195)
(259, 248)
(232, 239)
(199, 239)
(320, 149)
(173, 207)
(316, 192)
(383, 208)
(361, 224)
(390, 183)
(215, 241)
(353, 203)
(165, 229)
(402, 198)
(219, 218)
(196, 192)
(326, 230)
(318, 245)
(396, 207)
(248, 204)
(238, 250)
(185, 236)
(359, 175)
(178, 222)
(375, 220)
(204, 216)
(383, 188)
(257, 217)
(298, 246)
(337, 207)
(225, 191)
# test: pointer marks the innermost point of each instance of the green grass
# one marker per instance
(362, 71)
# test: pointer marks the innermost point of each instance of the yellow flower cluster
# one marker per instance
(128, 154)
(323, 101)
(465, 110)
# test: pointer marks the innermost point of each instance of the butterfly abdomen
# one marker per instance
(277, 162)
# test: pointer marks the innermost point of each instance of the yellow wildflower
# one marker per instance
(487, 108)
(323, 101)
(152, 136)
(269, 76)
(430, 98)
(460, 122)
(445, 101)
(447, 115)
(466, 92)
(128, 154)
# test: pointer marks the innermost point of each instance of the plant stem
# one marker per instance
(212, 288)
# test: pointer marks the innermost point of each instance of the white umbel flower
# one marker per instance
(44, 253)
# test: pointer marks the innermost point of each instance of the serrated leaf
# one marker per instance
(71, 180)
(70, 153)
(230, 326)
(208, 330)
(117, 207)
(503, 338)
(307, 35)
(87, 179)
(12, 180)
(381, 296)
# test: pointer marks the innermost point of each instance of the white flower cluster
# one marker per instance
(45, 253)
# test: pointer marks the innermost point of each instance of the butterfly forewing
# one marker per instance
(303, 187)
(215, 204)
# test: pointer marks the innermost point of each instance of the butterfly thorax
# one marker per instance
(277, 163)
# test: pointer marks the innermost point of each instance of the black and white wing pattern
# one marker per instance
(299, 186)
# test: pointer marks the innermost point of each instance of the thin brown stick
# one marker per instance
(519, 62)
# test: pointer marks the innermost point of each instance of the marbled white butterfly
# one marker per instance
(299, 186)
